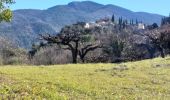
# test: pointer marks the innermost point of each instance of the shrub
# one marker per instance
(10, 53)
(51, 56)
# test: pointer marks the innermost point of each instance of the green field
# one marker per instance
(142, 80)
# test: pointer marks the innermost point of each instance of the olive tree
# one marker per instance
(75, 38)
(160, 39)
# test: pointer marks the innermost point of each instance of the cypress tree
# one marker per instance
(137, 22)
(113, 18)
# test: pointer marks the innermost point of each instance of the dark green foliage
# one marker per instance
(124, 24)
(153, 26)
(131, 22)
(120, 21)
(113, 18)
(117, 47)
(114, 48)
(137, 22)
(165, 20)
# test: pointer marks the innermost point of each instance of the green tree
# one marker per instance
(163, 21)
(113, 18)
(124, 24)
(75, 38)
(5, 12)
(160, 39)
(120, 23)
(137, 22)
(113, 48)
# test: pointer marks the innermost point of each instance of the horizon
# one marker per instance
(157, 7)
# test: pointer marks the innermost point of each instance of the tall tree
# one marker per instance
(160, 39)
(75, 38)
(124, 24)
(120, 23)
(113, 48)
(137, 22)
(5, 12)
(132, 22)
(113, 18)
(163, 21)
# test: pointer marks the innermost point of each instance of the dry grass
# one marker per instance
(142, 80)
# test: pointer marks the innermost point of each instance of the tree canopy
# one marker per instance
(75, 38)
(5, 12)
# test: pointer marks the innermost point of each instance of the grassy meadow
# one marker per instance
(141, 80)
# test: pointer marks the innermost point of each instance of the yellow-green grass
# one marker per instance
(141, 80)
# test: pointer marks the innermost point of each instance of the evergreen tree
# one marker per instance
(137, 22)
(162, 21)
(113, 18)
(124, 24)
(132, 22)
(120, 23)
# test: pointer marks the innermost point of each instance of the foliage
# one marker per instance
(113, 18)
(133, 43)
(5, 12)
(113, 48)
(153, 26)
(10, 53)
(160, 38)
(51, 55)
(75, 38)
(165, 20)
(35, 21)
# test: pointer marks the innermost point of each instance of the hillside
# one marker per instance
(144, 80)
(28, 23)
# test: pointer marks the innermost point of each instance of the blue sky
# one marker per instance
(153, 6)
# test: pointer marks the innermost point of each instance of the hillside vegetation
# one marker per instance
(142, 80)
(26, 24)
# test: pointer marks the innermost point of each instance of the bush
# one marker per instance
(10, 53)
(51, 56)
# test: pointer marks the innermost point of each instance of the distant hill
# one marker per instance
(28, 23)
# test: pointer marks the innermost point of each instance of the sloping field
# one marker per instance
(142, 80)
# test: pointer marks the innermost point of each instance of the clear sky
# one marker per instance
(153, 6)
